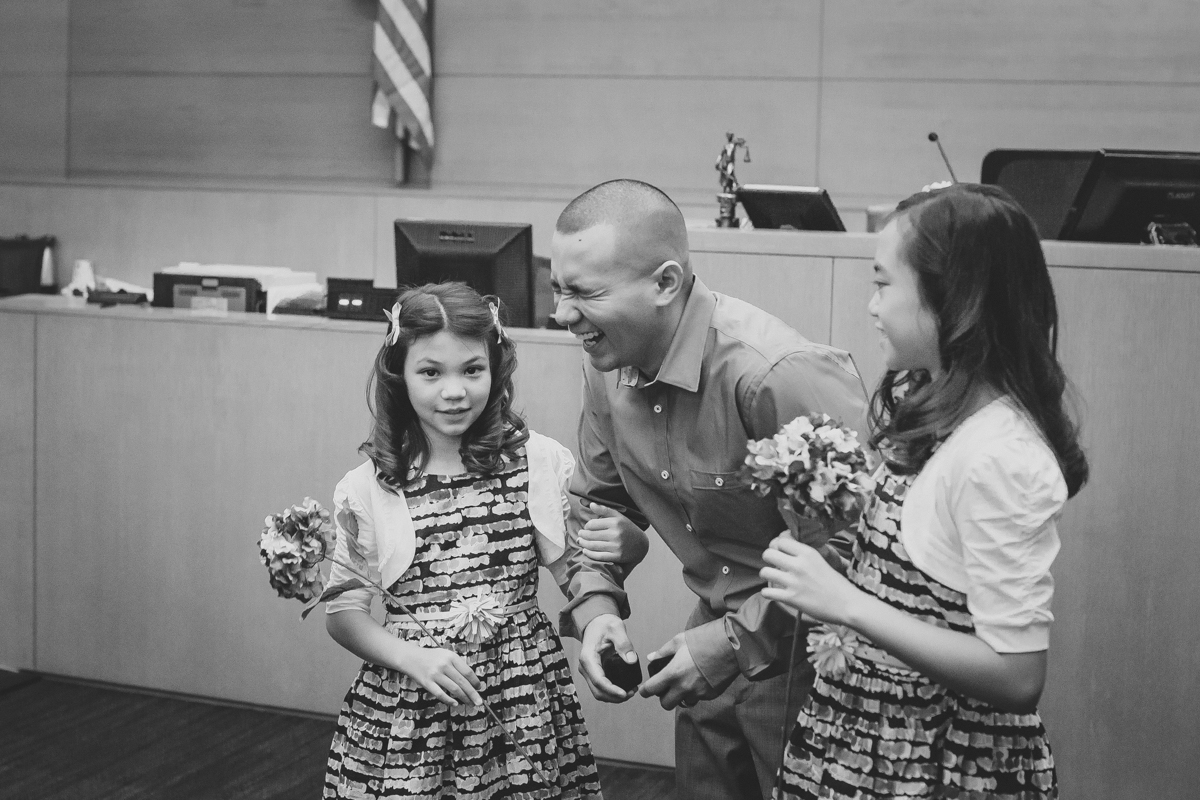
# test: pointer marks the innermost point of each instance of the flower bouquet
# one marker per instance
(294, 542)
(816, 469)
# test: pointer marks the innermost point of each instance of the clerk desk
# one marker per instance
(141, 448)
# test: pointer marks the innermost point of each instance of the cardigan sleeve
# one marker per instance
(352, 519)
(1005, 512)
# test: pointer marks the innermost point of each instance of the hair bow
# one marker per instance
(500, 334)
(393, 316)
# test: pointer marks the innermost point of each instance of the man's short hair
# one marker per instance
(620, 202)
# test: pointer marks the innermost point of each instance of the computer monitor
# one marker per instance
(1102, 195)
(490, 257)
(1129, 191)
(802, 208)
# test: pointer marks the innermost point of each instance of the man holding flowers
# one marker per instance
(677, 379)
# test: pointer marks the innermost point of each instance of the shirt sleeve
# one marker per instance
(592, 588)
(1005, 514)
(351, 519)
(756, 639)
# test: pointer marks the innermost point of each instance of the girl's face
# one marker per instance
(907, 329)
(448, 380)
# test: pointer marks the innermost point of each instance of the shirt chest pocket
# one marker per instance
(727, 508)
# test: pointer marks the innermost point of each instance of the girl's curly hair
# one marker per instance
(397, 444)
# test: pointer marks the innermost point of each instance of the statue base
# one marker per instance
(727, 205)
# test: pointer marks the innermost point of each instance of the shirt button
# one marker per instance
(665, 474)
(725, 570)
(720, 481)
(658, 409)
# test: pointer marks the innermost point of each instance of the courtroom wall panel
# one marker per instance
(873, 133)
(33, 36)
(681, 38)
(17, 415)
(282, 127)
(1122, 699)
(131, 233)
(33, 88)
(1081, 41)
(326, 37)
(566, 134)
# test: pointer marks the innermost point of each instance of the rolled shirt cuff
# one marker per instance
(712, 652)
(573, 620)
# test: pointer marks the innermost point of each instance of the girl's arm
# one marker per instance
(443, 673)
(798, 576)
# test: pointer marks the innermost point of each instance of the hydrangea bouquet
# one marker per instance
(816, 469)
(292, 545)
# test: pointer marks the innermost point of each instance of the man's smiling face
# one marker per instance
(606, 298)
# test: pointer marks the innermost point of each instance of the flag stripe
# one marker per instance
(402, 49)
(404, 84)
(407, 35)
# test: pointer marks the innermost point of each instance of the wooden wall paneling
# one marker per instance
(234, 127)
(756, 39)
(17, 488)
(1122, 702)
(873, 133)
(161, 447)
(797, 289)
(223, 36)
(852, 328)
(33, 37)
(571, 133)
(33, 125)
(1077, 40)
(136, 232)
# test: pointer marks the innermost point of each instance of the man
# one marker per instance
(676, 379)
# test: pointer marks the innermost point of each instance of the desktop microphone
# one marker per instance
(933, 137)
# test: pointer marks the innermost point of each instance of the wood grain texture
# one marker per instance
(33, 125)
(683, 38)
(573, 133)
(873, 134)
(236, 127)
(223, 36)
(1077, 40)
(17, 487)
(33, 37)
(795, 289)
(1122, 701)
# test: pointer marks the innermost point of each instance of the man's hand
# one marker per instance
(603, 632)
(611, 537)
(680, 682)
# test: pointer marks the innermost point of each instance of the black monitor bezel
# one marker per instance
(812, 203)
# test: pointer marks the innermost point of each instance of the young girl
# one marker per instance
(453, 509)
(932, 655)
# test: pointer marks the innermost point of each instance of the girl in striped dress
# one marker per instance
(454, 509)
(932, 652)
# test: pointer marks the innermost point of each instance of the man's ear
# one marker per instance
(669, 282)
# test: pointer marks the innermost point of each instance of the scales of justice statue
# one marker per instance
(727, 199)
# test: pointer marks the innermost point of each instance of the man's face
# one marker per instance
(606, 298)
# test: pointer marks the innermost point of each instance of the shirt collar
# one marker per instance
(685, 357)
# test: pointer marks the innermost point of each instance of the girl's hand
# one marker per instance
(443, 673)
(798, 576)
(610, 536)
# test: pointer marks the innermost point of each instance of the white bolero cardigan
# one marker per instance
(385, 529)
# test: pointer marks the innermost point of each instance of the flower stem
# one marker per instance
(407, 611)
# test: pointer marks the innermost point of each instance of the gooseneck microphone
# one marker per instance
(933, 137)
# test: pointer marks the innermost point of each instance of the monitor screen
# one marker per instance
(1130, 193)
(1103, 195)
(490, 257)
(802, 208)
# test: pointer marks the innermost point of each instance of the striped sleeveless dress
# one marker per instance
(883, 731)
(393, 739)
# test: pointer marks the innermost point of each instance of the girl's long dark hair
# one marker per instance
(981, 272)
(397, 444)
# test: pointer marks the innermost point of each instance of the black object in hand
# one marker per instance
(620, 671)
(655, 666)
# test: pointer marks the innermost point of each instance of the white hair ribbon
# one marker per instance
(393, 316)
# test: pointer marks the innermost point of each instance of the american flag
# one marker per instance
(403, 70)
